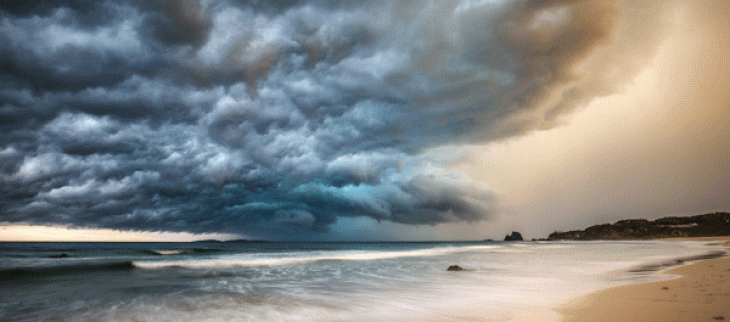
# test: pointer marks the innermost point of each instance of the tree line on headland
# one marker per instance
(707, 225)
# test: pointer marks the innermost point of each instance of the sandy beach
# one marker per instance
(702, 293)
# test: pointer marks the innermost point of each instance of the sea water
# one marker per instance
(515, 281)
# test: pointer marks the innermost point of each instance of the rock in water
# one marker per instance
(455, 268)
(514, 237)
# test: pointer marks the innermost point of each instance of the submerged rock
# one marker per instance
(514, 237)
(455, 268)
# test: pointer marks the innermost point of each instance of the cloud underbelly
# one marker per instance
(217, 116)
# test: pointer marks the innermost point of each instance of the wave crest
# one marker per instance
(298, 258)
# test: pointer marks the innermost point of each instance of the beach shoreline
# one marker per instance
(700, 292)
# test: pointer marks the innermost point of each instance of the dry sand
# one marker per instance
(702, 293)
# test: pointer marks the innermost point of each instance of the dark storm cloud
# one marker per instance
(261, 117)
(187, 22)
(69, 45)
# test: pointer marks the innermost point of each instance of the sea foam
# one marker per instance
(321, 282)
(295, 258)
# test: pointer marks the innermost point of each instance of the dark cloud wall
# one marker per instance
(273, 117)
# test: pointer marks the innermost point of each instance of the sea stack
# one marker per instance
(514, 237)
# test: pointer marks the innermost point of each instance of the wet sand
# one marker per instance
(702, 293)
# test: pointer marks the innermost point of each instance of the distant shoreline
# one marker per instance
(708, 225)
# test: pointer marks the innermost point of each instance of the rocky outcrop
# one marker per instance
(455, 268)
(514, 237)
(715, 224)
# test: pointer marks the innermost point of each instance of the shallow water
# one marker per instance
(315, 281)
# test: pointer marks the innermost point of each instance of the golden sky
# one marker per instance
(27, 233)
(660, 146)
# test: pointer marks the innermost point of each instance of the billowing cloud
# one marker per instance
(271, 116)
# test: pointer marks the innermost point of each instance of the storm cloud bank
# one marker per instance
(271, 117)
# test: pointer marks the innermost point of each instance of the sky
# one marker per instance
(358, 120)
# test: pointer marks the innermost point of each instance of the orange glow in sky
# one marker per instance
(27, 233)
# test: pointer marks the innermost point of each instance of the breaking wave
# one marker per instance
(298, 258)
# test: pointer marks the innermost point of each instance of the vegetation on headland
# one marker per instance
(707, 225)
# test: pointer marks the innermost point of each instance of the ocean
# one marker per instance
(212, 281)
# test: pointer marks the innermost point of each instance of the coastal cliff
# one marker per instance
(714, 224)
